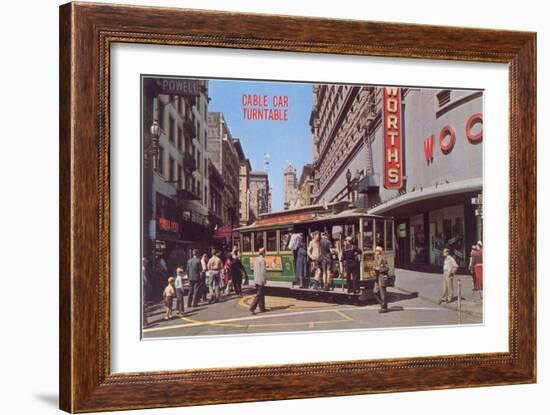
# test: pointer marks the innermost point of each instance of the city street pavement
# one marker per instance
(413, 302)
(429, 287)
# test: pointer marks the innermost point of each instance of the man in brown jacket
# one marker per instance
(381, 270)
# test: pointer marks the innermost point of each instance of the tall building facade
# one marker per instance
(224, 156)
(244, 185)
(340, 122)
(175, 179)
(306, 185)
(290, 187)
(215, 196)
(260, 194)
(414, 154)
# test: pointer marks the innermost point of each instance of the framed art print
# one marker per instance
(272, 215)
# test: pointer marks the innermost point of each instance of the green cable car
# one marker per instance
(338, 220)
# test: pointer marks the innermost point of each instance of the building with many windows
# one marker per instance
(244, 185)
(215, 204)
(290, 187)
(224, 155)
(340, 120)
(260, 194)
(306, 186)
(175, 179)
(411, 153)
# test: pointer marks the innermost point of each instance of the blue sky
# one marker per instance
(283, 141)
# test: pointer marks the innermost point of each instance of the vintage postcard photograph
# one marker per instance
(276, 207)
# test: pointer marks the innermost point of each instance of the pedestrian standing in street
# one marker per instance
(224, 273)
(179, 291)
(314, 255)
(203, 286)
(168, 298)
(227, 274)
(326, 260)
(475, 258)
(301, 265)
(145, 289)
(381, 269)
(349, 256)
(478, 271)
(215, 268)
(237, 271)
(193, 273)
(480, 249)
(159, 275)
(449, 269)
(163, 266)
(260, 279)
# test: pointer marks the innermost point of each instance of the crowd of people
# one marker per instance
(204, 277)
(316, 266)
(208, 276)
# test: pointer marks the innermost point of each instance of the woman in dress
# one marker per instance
(301, 265)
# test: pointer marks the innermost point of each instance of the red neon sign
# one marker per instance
(168, 225)
(393, 166)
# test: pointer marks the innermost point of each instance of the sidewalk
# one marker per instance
(429, 287)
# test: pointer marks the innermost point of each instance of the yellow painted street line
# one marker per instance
(341, 314)
(245, 303)
(296, 313)
(209, 323)
(302, 323)
(229, 320)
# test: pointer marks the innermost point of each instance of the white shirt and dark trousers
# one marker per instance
(179, 294)
(449, 269)
(260, 279)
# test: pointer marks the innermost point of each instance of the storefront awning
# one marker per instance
(429, 193)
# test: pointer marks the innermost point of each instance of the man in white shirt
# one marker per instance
(179, 291)
(449, 270)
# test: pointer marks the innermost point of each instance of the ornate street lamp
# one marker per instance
(155, 135)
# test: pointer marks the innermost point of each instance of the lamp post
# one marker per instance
(155, 135)
(150, 165)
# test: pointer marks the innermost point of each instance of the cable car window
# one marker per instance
(380, 238)
(258, 241)
(271, 241)
(389, 235)
(368, 233)
(285, 239)
(247, 243)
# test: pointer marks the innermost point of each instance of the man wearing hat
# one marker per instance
(349, 257)
(326, 259)
(381, 269)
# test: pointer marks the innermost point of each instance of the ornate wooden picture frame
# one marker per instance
(87, 32)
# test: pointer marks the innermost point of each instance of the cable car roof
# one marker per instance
(303, 216)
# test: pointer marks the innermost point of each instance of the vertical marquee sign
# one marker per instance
(393, 166)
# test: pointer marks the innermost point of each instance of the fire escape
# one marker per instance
(363, 182)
